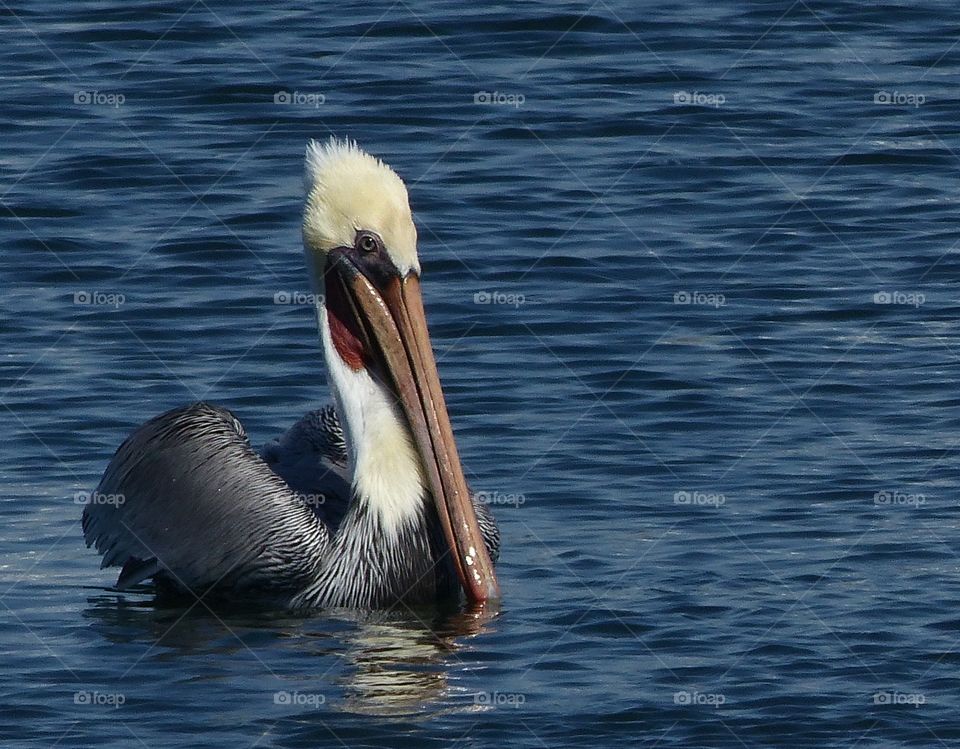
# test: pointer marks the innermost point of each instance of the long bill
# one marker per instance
(393, 322)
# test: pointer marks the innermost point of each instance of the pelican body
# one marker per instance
(360, 504)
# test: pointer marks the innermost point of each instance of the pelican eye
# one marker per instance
(367, 242)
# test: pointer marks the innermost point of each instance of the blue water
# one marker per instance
(726, 470)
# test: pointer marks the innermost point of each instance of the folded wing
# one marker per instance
(186, 498)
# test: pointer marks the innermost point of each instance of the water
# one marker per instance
(727, 522)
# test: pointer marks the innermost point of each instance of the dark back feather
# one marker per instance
(194, 501)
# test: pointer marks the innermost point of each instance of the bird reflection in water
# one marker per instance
(383, 663)
(402, 667)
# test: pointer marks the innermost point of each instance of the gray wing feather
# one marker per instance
(311, 457)
(194, 502)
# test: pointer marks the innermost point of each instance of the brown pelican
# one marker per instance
(363, 504)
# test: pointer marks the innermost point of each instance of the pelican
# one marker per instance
(361, 504)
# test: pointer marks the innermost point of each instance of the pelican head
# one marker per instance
(361, 249)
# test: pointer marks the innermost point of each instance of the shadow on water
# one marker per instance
(395, 663)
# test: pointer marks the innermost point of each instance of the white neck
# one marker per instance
(383, 463)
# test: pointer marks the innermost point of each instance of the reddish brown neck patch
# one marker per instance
(344, 330)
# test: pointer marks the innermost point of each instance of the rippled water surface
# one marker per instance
(691, 277)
